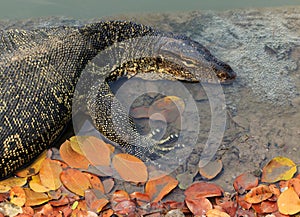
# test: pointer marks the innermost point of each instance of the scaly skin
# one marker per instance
(39, 70)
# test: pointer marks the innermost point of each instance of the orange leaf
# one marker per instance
(279, 168)
(95, 182)
(140, 198)
(119, 195)
(95, 150)
(245, 182)
(35, 198)
(49, 174)
(295, 183)
(130, 168)
(17, 196)
(216, 213)
(34, 168)
(71, 157)
(288, 202)
(211, 170)
(75, 181)
(169, 108)
(97, 205)
(241, 201)
(158, 188)
(258, 194)
(198, 206)
(203, 189)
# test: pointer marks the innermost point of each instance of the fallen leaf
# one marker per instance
(258, 194)
(71, 157)
(158, 188)
(49, 174)
(7, 184)
(268, 206)
(130, 168)
(125, 208)
(140, 198)
(211, 169)
(245, 182)
(17, 196)
(95, 200)
(35, 198)
(95, 182)
(295, 184)
(108, 184)
(288, 202)
(95, 150)
(75, 181)
(203, 189)
(216, 213)
(119, 195)
(97, 205)
(36, 185)
(198, 206)
(241, 201)
(34, 168)
(279, 168)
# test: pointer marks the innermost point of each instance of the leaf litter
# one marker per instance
(57, 188)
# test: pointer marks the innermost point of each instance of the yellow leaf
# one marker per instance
(36, 185)
(279, 168)
(130, 168)
(49, 174)
(7, 184)
(35, 198)
(288, 202)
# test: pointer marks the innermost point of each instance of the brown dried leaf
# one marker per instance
(199, 206)
(158, 188)
(75, 181)
(245, 182)
(95, 182)
(216, 213)
(211, 170)
(71, 157)
(203, 189)
(130, 168)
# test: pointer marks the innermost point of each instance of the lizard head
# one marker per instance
(196, 63)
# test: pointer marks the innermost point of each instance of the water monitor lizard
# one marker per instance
(39, 70)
